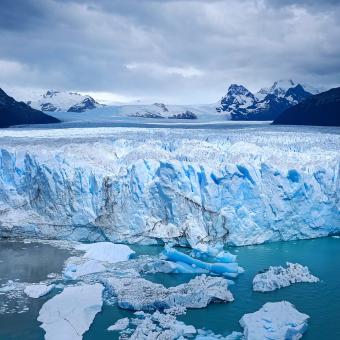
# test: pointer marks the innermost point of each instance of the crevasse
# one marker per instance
(186, 187)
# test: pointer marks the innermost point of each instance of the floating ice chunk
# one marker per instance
(75, 270)
(119, 325)
(275, 320)
(140, 294)
(37, 290)
(230, 270)
(69, 315)
(278, 277)
(106, 251)
(209, 335)
(160, 326)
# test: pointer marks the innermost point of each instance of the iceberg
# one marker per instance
(136, 293)
(120, 325)
(278, 277)
(275, 320)
(69, 314)
(74, 269)
(37, 290)
(184, 263)
(159, 326)
(96, 259)
(170, 185)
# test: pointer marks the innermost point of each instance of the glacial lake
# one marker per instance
(32, 262)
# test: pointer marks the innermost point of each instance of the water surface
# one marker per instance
(32, 262)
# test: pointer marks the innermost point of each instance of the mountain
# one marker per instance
(160, 110)
(321, 109)
(15, 113)
(54, 101)
(267, 104)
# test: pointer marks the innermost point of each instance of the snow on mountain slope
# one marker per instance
(53, 101)
(148, 112)
(267, 104)
(190, 186)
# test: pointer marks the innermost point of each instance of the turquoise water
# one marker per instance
(321, 300)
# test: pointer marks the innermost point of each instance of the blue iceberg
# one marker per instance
(187, 264)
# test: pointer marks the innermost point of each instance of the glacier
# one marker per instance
(188, 187)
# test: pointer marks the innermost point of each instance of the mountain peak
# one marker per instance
(237, 89)
(53, 101)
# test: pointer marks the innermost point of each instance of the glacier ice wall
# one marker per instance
(189, 186)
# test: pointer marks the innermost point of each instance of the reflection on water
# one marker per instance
(26, 262)
(29, 262)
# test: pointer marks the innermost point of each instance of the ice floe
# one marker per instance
(37, 290)
(119, 325)
(97, 259)
(139, 294)
(278, 277)
(275, 320)
(69, 314)
(106, 251)
(158, 326)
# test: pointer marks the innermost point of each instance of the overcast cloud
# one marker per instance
(168, 50)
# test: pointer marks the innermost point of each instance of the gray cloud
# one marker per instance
(171, 50)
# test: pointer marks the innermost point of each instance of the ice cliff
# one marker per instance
(193, 187)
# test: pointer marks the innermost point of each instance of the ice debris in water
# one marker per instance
(275, 320)
(278, 277)
(97, 258)
(70, 314)
(120, 325)
(159, 326)
(37, 290)
(106, 251)
(209, 335)
(136, 293)
(225, 264)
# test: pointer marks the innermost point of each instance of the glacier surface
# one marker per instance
(190, 187)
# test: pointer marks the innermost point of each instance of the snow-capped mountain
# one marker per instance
(267, 104)
(160, 110)
(13, 112)
(54, 101)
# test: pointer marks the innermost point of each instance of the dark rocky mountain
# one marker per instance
(16, 113)
(321, 109)
(184, 115)
(267, 104)
(87, 104)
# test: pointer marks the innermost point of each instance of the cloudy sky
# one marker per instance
(175, 51)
